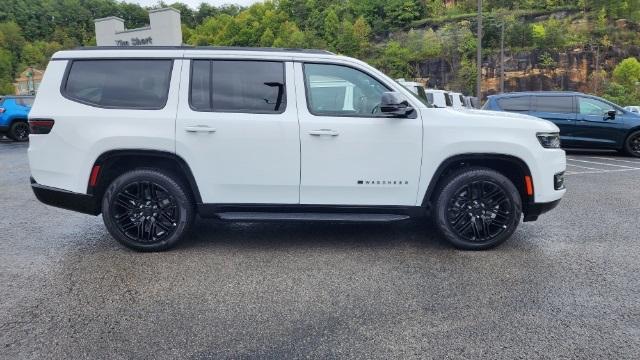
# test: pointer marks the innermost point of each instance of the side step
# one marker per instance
(346, 217)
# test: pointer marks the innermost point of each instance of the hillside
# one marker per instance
(551, 44)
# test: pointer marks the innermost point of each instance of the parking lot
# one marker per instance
(567, 286)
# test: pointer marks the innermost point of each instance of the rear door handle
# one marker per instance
(200, 128)
(323, 132)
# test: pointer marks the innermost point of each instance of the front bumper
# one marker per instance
(64, 199)
(533, 210)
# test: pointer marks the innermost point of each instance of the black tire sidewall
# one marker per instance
(627, 144)
(168, 182)
(453, 184)
(12, 131)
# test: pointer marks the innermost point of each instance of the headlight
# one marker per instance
(549, 140)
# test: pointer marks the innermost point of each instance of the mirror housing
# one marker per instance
(393, 104)
(610, 115)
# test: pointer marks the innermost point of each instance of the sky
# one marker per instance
(194, 3)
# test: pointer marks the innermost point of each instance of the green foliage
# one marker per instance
(395, 61)
(624, 89)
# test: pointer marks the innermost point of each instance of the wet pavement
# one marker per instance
(566, 286)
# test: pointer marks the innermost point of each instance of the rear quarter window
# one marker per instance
(118, 83)
(515, 104)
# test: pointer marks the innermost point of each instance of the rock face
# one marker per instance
(537, 70)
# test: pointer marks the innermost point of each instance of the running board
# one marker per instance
(272, 216)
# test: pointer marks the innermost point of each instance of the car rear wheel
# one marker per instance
(19, 131)
(477, 209)
(147, 210)
(632, 145)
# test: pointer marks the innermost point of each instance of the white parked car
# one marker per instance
(151, 137)
(457, 100)
(439, 98)
(633, 109)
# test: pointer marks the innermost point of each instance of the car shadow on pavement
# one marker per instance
(282, 235)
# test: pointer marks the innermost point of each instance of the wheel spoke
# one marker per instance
(479, 210)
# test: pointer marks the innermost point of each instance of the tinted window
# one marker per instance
(238, 86)
(554, 104)
(462, 100)
(447, 99)
(340, 90)
(201, 84)
(515, 104)
(429, 98)
(128, 84)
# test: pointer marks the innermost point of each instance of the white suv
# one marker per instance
(151, 137)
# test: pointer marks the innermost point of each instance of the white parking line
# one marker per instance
(605, 164)
(619, 160)
(582, 167)
(598, 172)
(602, 166)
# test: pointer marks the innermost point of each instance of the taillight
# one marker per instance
(1, 110)
(40, 126)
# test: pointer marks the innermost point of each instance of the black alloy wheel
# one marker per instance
(477, 208)
(632, 145)
(479, 211)
(147, 210)
(19, 131)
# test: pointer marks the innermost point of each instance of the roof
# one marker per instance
(220, 48)
(529, 93)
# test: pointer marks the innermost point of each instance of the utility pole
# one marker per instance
(479, 48)
(502, 59)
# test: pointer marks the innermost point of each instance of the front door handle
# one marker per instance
(200, 128)
(323, 132)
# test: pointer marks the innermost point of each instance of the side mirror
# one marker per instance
(394, 105)
(610, 115)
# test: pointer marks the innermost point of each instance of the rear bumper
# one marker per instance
(64, 199)
(533, 210)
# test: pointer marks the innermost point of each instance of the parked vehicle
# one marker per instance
(471, 102)
(415, 88)
(457, 100)
(151, 137)
(585, 121)
(439, 98)
(14, 111)
(633, 109)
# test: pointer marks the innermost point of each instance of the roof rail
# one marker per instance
(221, 48)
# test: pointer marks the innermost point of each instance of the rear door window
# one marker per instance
(119, 84)
(554, 104)
(515, 104)
(242, 86)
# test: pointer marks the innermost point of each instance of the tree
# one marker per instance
(627, 73)
(395, 61)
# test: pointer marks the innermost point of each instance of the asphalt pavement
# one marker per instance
(564, 287)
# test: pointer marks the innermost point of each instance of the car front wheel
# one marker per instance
(147, 210)
(19, 131)
(477, 209)
(632, 145)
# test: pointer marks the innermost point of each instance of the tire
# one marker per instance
(147, 210)
(632, 144)
(477, 208)
(19, 131)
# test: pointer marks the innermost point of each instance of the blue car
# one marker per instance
(585, 121)
(13, 116)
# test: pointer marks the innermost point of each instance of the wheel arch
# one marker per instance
(514, 168)
(116, 162)
(626, 136)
